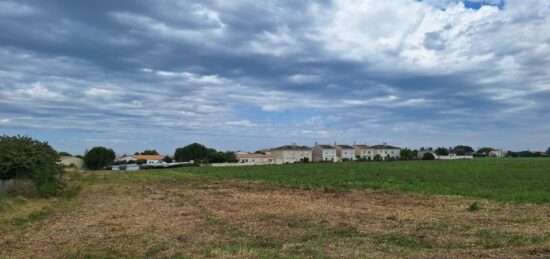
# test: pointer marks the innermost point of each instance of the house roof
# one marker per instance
(63, 158)
(344, 146)
(241, 156)
(292, 147)
(148, 157)
(325, 146)
(384, 147)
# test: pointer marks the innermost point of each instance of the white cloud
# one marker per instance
(14, 9)
(39, 91)
(242, 123)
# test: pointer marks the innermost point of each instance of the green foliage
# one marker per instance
(196, 152)
(26, 158)
(149, 152)
(201, 154)
(485, 150)
(167, 159)
(64, 154)
(428, 156)
(99, 157)
(548, 152)
(474, 207)
(406, 154)
(463, 150)
(525, 154)
(442, 151)
(141, 161)
(221, 157)
(378, 157)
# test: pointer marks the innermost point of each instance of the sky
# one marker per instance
(248, 74)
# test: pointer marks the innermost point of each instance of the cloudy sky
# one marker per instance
(248, 74)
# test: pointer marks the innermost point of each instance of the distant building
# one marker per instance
(255, 159)
(149, 159)
(345, 152)
(496, 153)
(386, 151)
(324, 153)
(447, 157)
(291, 154)
(363, 152)
(72, 161)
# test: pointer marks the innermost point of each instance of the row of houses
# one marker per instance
(289, 154)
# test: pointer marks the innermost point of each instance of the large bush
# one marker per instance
(428, 156)
(26, 158)
(99, 157)
(196, 152)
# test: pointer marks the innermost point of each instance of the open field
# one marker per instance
(314, 210)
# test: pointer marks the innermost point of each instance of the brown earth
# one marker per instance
(213, 218)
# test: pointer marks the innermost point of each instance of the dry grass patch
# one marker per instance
(215, 218)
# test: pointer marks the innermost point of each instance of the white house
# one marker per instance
(448, 157)
(363, 152)
(152, 160)
(255, 159)
(324, 153)
(496, 153)
(345, 152)
(386, 152)
(291, 154)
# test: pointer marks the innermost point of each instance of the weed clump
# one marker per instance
(474, 207)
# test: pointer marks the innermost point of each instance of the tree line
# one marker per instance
(100, 157)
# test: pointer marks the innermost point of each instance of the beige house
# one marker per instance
(363, 152)
(255, 159)
(324, 153)
(291, 154)
(386, 152)
(345, 152)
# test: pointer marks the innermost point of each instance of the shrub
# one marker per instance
(428, 156)
(141, 161)
(26, 158)
(168, 159)
(19, 187)
(474, 207)
(442, 151)
(99, 157)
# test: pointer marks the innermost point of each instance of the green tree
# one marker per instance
(26, 158)
(442, 151)
(99, 157)
(406, 154)
(462, 150)
(149, 152)
(428, 156)
(196, 152)
(64, 154)
(485, 150)
(167, 159)
(525, 154)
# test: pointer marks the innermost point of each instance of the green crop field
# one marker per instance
(508, 180)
